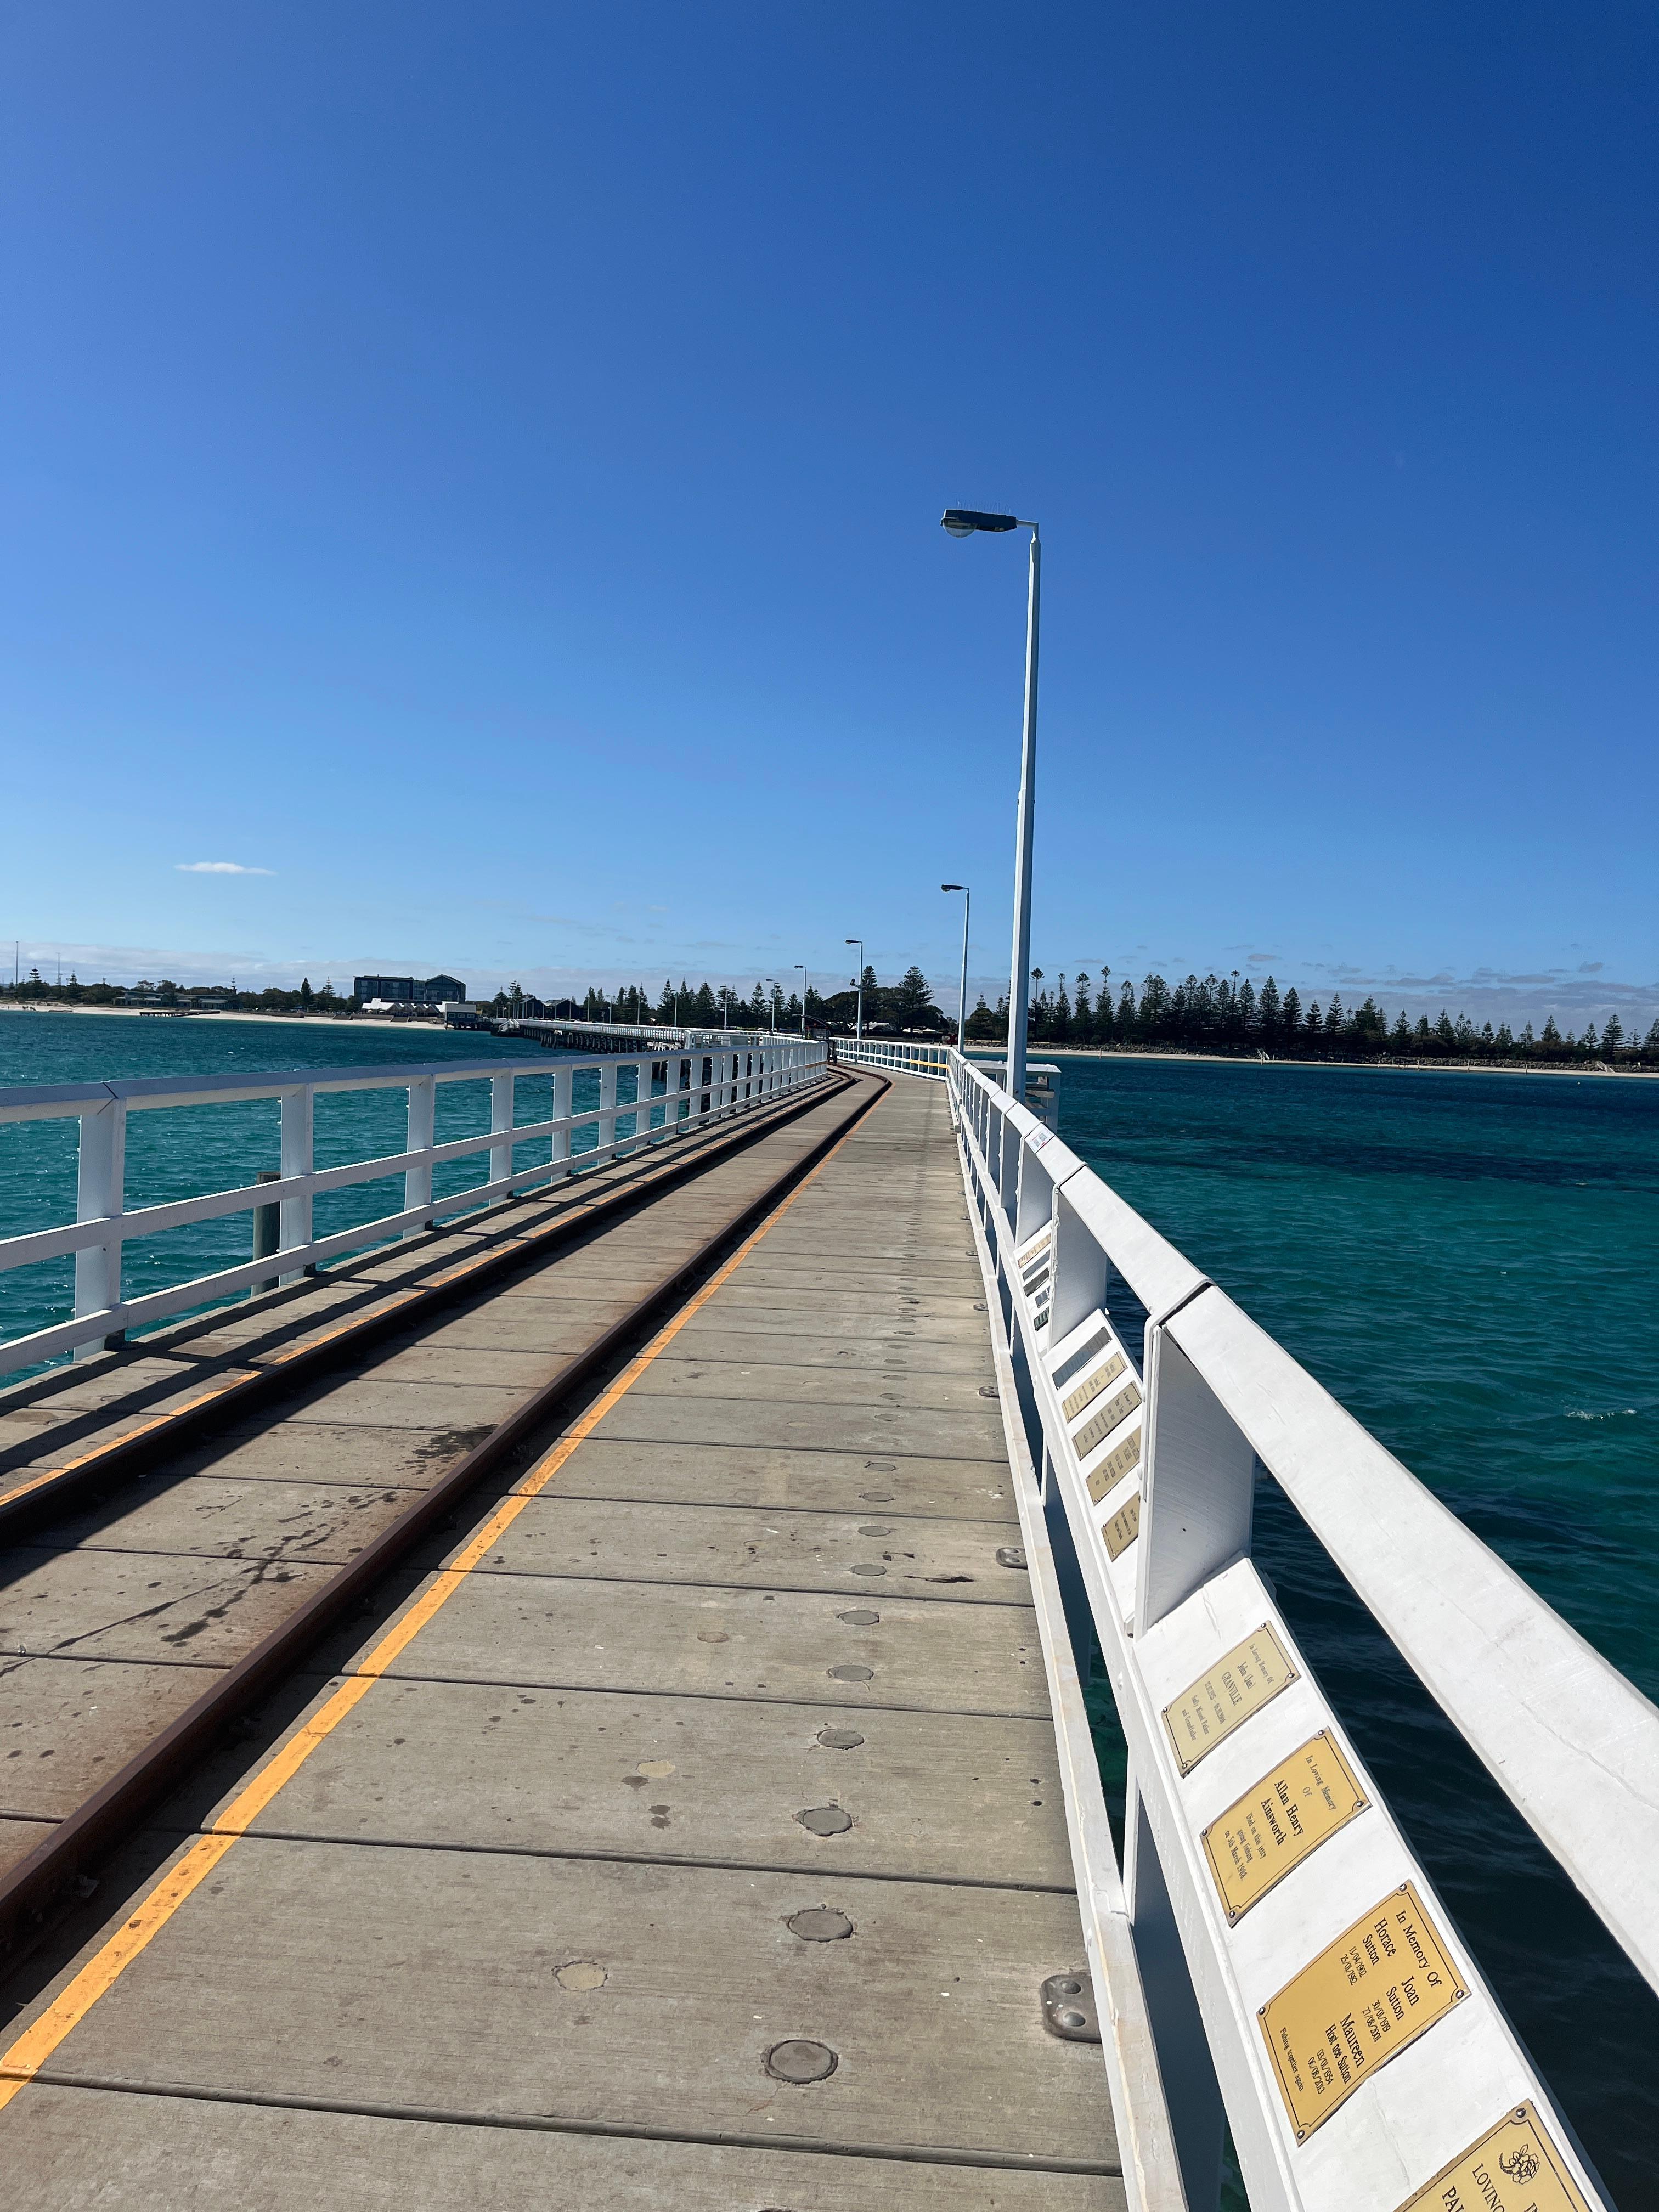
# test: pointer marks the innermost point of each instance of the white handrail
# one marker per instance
(1148, 1462)
(700, 1084)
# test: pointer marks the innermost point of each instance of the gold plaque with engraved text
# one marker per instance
(1515, 2166)
(1384, 1982)
(1115, 1411)
(1115, 1465)
(1273, 1827)
(1086, 1393)
(1123, 1528)
(1239, 1684)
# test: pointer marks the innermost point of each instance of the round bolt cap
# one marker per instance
(834, 1739)
(867, 1567)
(800, 2060)
(824, 1821)
(989, 1390)
(860, 1616)
(819, 1924)
(852, 1673)
(877, 1497)
(1011, 1555)
(874, 1528)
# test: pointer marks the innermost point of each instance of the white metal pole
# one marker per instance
(857, 1022)
(1019, 981)
(962, 1002)
(802, 966)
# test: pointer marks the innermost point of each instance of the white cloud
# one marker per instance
(219, 868)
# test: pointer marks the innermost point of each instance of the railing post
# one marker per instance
(267, 1231)
(295, 1157)
(501, 1117)
(564, 1080)
(1197, 2116)
(101, 1188)
(422, 1118)
(607, 1108)
(1198, 1484)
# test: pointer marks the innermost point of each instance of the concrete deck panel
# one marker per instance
(736, 1546)
(804, 1482)
(683, 1640)
(262, 2159)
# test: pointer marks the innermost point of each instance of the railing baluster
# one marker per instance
(100, 1183)
(417, 1179)
(299, 1114)
(501, 1117)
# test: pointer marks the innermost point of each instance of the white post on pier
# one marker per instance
(559, 1149)
(501, 1117)
(101, 1183)
(607, 1072)
(417, 1180)
(295, 1158)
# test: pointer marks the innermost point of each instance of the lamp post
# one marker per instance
(800, 969)
(858, 1025)
(963, 522)
(772, 981)
(962, 1003)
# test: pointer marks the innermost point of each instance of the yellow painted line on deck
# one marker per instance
(35, 2046)
(140, 1429)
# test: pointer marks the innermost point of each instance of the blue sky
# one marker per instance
(483, 466)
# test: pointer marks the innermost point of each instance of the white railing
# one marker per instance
(1319, 1992)
(671, 1094)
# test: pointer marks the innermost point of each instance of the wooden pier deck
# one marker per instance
(692, 1836)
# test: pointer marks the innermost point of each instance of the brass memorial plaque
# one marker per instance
(1239, 1684)
(1086, 1393)
(1514, 2166)
(1273, 1827)
(1384, 1982)
(1123, 1528)
(1100, 1426)
(1115, 1465)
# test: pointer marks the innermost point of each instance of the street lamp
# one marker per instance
(963, 522)
(857, 1025)
(962, 1003)
(800, 969)
(772, 981)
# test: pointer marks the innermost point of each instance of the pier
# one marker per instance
(580, 1696)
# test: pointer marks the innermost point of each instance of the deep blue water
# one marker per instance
(1469, 1263)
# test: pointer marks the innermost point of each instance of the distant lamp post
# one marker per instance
(858, 1026)
(800, 969)
(963, 522)
(962, 1003)
(772, 981)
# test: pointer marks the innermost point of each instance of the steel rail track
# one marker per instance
(105, 1819)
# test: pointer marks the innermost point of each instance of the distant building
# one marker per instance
(408, 990)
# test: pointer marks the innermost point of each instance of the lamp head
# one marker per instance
(953, 887)
(963, 521)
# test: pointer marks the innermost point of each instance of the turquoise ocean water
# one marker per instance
(1469, 1262)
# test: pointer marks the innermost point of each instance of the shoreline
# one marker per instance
(141, 1013)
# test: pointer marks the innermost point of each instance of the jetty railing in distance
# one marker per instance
(1301, 1972)
(643, 1100)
